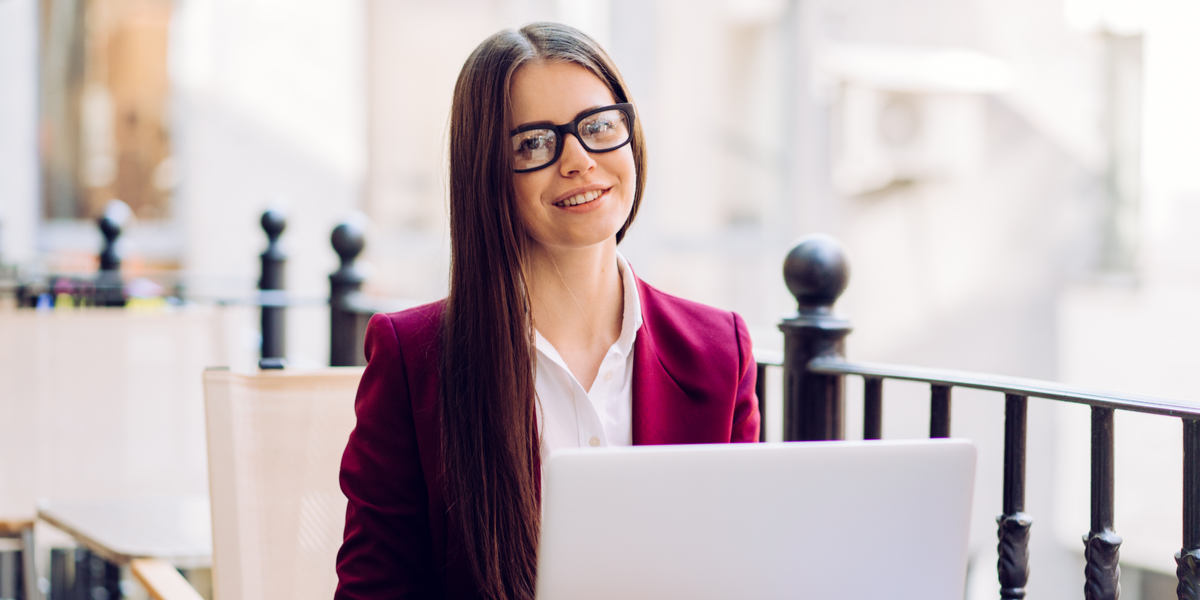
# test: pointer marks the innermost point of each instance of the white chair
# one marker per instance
(275, 442)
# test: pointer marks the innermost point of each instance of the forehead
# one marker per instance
(555, 92)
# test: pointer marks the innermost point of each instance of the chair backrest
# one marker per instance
(275, 442)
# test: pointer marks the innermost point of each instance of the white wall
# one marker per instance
(1139, 334)
(18, 130)
(270, 110)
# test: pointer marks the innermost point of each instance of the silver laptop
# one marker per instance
(813, 520)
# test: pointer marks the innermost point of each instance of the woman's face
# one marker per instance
(584, 198)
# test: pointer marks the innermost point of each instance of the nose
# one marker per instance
(575, 158)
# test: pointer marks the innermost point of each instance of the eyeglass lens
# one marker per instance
(598, 132)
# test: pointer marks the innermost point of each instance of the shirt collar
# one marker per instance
(631, 318)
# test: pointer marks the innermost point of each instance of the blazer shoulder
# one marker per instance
(419, 324)
(691, 332)
(412, 336)
(663, 306)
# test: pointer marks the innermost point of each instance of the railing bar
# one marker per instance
(1188, 558)
(939, 411)
(1013, 526)
(763, 356)
(1011, 385)
(1102, 545)
(872, 408)
(359, 302)
(760, 389)
(1015, 409)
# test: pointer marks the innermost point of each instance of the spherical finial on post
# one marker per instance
(116, 214)
(110, 289)
(109, 227)
(274, 221)
(816, 273)
(348, 241)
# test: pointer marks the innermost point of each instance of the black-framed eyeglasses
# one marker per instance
(604, 129)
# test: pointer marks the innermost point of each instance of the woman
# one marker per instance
(547, 339)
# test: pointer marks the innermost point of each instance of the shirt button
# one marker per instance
(608, 376)
(595, 441)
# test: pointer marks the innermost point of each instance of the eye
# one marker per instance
(533, 142)
(603, 124)
(604, 130)
(533, 148)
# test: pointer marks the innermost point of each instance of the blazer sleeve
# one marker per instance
(746, 419)
(387, 547)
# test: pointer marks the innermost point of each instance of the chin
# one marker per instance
(581, 235)
(588, 241)
(577, 239)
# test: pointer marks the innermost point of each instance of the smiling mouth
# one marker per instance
(583, 198)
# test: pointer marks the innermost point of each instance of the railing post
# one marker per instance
(939, 411)
(872, 408)
(273, 313)
(1188, 558)
(1102, 545)
(81, 582)
(816, 274)
(110, 289)
(760, 390)
(60, 580)
(344, 349)
(1013, 526)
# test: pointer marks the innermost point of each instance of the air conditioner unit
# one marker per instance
(902, 115)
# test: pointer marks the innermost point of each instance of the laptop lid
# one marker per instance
(813, 520)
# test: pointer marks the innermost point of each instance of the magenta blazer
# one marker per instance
(693, 383)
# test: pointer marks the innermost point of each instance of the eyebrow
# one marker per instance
(552, 124)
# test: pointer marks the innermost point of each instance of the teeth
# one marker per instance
(583, 198)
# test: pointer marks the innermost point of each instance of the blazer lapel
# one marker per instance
(660, 406)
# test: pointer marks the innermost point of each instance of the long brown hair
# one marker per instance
(489, 426)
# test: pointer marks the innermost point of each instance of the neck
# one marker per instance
(576, 295)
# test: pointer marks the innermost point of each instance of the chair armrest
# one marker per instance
(161, 580)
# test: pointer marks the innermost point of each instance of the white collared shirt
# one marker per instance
(572, 417)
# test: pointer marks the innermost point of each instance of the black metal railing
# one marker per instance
(272, 279)
(349, 308)
(814, 367)
(104, 288)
